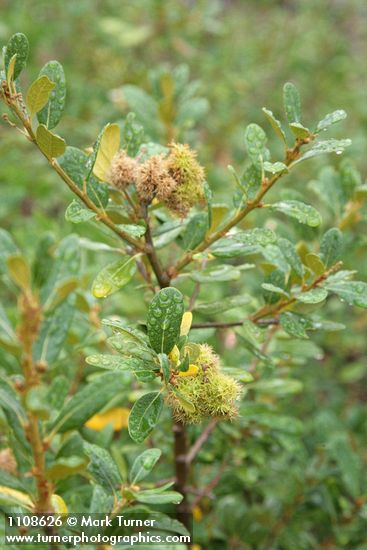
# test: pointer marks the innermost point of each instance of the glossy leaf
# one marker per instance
(77, 213)
(113, 277)
(88, 401)
(313, 296)
(51, 113)
(51, 145)
(195, 231)
(292, 102)
(164, 319)
(304, 213)
(75, 163)
(225, 304)
(143, 465)
(38, 94)
(331, 118)
(331, 246)
(352, 292)
(277, 127)
(18, 45)
(102, 467)
(293, 324)
(144, 416)
(255, 141)
(108, 147)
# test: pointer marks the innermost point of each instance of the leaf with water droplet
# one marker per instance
(144, 415)
(353, 292)
(304, 213)
(313, 296)
(113, 277)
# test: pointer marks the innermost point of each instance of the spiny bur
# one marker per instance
(123, 170)
(190, 177)
(153, 180)
(210, 392)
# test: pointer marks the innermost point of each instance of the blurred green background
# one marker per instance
(238, 54)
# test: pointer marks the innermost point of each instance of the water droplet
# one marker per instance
(339, 152)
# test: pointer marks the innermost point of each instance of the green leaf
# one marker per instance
(331, 118)
(292, 102)
(277, 127)
(299, 131)
(51, 113)
(251, 179)
(274, 289)
(165, 367)
(195, 231)
(38, 94)
(275, 281)
(278, 386)
(51, 145)
(304, 213)
(19, 271)
(144, 416)
(7, 248)
(313, 296)
(65, 467)
(133, 229)
(143, 465)
(75, 163)
(352, 292)
(132, 135)
(164, 319)
(255, 141)
(145, 108)
(102, 467)
(18, 45)
(54, 329)
(225, 304)
(331, 246)
(294, 324)
(143, 369)
(113, 277)
(348, 462)
(154, 496)
(89, 400)
(109, 145)
(218, 273)
(314, 262)
(324, 147)
(291, 256)
(275, 167)
(77, 213)
(36, 400)
(252, 348)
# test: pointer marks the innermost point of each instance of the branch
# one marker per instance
(219, 324)
(151, 253)
(101, 214)
(291, 155)
(200, 441)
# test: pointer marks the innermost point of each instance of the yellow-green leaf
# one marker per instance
(108, 147)
(50, 144)
(19, 271)
(15, 498)
(38, 94)
(186, 323)
(11, 67)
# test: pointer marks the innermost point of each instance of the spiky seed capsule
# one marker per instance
(123, 170)
(212, 393)
(154, 180)
(190, 177)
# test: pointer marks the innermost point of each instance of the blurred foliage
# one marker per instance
(292, 469)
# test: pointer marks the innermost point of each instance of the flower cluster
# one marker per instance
(207, 393)
(176, 180)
